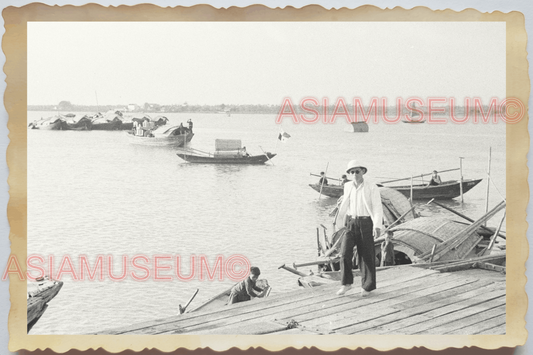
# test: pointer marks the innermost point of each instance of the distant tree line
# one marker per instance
(186, 108)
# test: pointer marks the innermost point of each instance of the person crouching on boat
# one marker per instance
(361, 212)
(246, 289)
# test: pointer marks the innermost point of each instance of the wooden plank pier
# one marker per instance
(409, 300)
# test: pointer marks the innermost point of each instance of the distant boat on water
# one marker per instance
(227, 151)
(162, 136)
(358, 127)
(415, 117)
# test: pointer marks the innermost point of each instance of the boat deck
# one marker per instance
(409, 300)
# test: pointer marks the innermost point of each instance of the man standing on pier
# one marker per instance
(361, 212)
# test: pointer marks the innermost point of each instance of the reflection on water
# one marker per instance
(94, 193)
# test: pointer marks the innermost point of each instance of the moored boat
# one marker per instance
(357, 127)
(83, 124)
(39, 293)
(334, 191)
(110, 121)
(228, 151)
(162, 136)
(445, 191)
(53, 123)
(220, 300)
(237, 159)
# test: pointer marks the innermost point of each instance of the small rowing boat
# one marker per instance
(221, 300)
(334, 191)
(445, 191)
(228, 151)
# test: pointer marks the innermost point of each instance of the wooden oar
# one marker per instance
(292, 270)
(465, 217)
(266, 155)
(317, 262)
(407, 178)
(183, 309)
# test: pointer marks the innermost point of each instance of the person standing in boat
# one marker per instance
(435, 179)
(246, 289)
(387, 250)
(189, 121)
(361, 212)
(323, 180)
(344, 179)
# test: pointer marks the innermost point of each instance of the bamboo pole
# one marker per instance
(461, 180)
(322, 184)
(407, 178)
(326, 240)
(183, 309)
(266, 155)
(411, 189)
(493, 238)
(488, 181)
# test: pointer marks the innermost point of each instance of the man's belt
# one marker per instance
(359, 217)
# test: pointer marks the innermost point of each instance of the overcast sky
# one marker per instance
(261, 62)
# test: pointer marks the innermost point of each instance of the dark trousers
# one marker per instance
(359, 233)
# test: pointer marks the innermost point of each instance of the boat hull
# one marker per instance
(221, 300)
(38, 302)
(176, 141)
(55, 126)
(329, 190)
(253, 159)
(444, 191)
(109, 126)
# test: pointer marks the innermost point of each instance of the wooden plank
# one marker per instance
(297, 331)
(494, 267)
(458, 320)
(234, 308)
(481, 328)
(358, 313)
(470, 290)
(326, 310)
(274, 312)
(410, 311)
(257, 328)
(181, 321)
(490, 287)
(498, 330)
(227, 315)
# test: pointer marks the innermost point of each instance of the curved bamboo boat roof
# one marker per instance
(419, 235)
(395, 204)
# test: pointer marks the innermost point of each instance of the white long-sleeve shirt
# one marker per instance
(362, 201)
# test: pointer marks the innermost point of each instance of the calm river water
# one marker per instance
(93, 193)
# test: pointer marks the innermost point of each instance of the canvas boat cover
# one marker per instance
(228, 144)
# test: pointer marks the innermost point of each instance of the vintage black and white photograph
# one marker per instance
(297, 178)
(266, 178)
